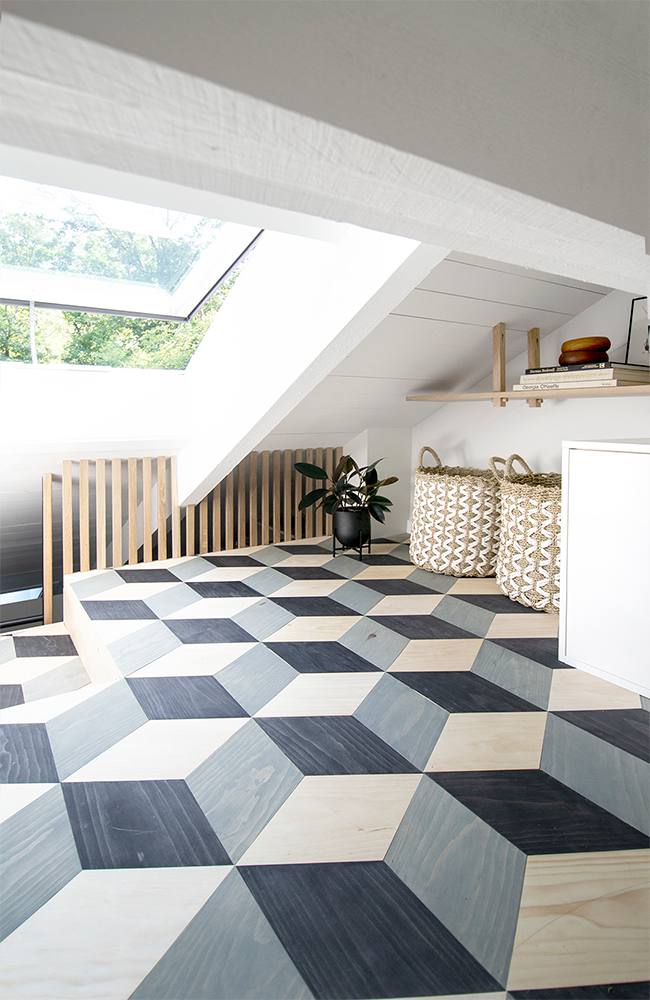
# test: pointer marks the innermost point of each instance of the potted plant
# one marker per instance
(351, 496)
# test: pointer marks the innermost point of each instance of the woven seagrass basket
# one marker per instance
(528, 563)
(456, 518)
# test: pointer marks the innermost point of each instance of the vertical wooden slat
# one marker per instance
(216, 518)
(265, 513)
(252, 498)
(48, 551)
(117, 547)
(203, 525)
(318, 514)
(176, 511)
(499, 362)
(277, 495)
(161, 512)
(241, 504)
(298, 481)
(329, 469)
(286, 512)
(230, 510)
(190, 530)
(100, 513)
(309, 486)
(67, 525)
(533, 358)
(147, 548)
(84, 516)
(132, 482)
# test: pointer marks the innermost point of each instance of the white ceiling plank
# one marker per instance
(437, 305)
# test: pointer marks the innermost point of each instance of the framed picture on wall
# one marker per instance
(637, 339)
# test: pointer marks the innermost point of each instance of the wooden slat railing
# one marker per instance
(257, 503)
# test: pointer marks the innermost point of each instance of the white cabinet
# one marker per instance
(605, 568)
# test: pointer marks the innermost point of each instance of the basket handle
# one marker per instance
(510, 461)
(493, 468)
(420, 456)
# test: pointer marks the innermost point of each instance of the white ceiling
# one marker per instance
(439, 338)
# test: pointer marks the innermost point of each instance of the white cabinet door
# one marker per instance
(605, 617)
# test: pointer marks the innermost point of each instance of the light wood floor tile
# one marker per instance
(350, 817)
(215, 607)
(170, 748)
(133, 591)
(321, 694)
(314, 629)
(100, 935)
(386, 572)
(437, 654)
(383, 548)
(486, 741)
(540, 626)
(583, 921)
(195, 659)
(24, 668)
(487, 585)
(576, 690)
(15, 796)
(407, 604)
(309, 588)
(111, 631)
(306, 560)
(228, 573)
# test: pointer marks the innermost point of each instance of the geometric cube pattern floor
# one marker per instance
(321, 778)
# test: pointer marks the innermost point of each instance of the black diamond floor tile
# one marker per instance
(499, 604)
(542, 651)
(626, 728)
(147, 576)
(116, 610)
(207, 630)
(538, 814)
(184, 698)
(44, 645)
(307, 573)
(363, 933)
(312, 607)
(421, 627)
(400, 587)
(462, 691)
(223, 588)
(25, 754)
(229, 561)
(320, 657)
(140, 824)
(334, 745)
(304, 550)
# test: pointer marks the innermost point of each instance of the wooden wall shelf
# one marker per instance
(460, 397)
(500, 396)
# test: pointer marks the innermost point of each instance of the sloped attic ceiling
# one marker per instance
(439, 338)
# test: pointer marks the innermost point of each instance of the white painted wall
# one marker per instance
(297, 309)
(469, 433)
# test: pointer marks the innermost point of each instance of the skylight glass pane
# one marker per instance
(82, 251)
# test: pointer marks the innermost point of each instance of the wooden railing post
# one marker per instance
(48, 551)
(100, 512)
(161, 512)
(67, 519)
(147, 547)
(298, 482)
(116, 512)
(252, 498)
(176, 511)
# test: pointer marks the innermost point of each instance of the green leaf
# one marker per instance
(371, 477)
(377, 513)
(388, 482)
(311, 498)
(330, 504)
(311, 471)
(384, 501)
(344, 466)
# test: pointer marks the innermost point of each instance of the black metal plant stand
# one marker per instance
(346, 548)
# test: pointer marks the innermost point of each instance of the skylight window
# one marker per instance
(63, 249)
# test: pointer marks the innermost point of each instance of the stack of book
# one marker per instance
(603, 374)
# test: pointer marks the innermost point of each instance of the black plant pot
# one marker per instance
(352, 527)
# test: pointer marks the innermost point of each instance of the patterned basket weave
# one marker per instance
(456, 516)
(528, 564)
